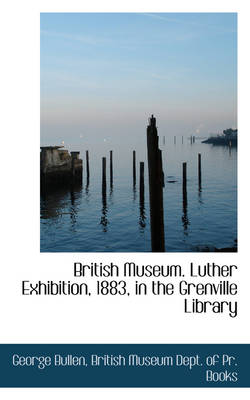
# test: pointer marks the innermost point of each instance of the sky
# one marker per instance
(104, 74)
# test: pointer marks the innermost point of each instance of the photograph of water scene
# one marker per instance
(138, 132)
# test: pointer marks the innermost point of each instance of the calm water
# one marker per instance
(80, 220)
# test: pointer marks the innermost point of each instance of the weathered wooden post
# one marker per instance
(174, 139)
(134, 168)
(182, 139)
(155, 188)
(184, 195)
(142, 181)
(104, 220)
(111, 168)
(199, 170)
(161, 169)
(142, 208)
(87, 166)
(104, 176)
(193, 139)
(164, 140)
(184, 179)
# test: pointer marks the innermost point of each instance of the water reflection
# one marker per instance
(73, 210)
(111, 169)
(200, 194)
(199, 189)
(142, 219)
(87, 191)
(77, 219)
(87, 183)
(111, 179)
(104, 219)
(134, 192)
(111, 194)
(111, 175)
(185, 220)
(54, 201)
(199, 186)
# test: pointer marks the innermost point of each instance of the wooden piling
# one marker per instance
(87, 165)
(104, 220)
(164, 140)
(142, 206)
(155, 188)
(142, 181)
(174, 139)
(185, 220)
(184, 178)
(111, 168)
(182, 139)
(104, 183)
(184, 195)
(134, 167)
(161, 169)
(199, 169)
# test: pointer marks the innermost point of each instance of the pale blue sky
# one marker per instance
(104, 74)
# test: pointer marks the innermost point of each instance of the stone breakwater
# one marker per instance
(59, 167)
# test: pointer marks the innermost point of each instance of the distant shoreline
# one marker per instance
(220, 140)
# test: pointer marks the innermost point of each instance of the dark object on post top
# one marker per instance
(152, 121)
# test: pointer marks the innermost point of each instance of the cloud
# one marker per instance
(164, 17)
(86, 39)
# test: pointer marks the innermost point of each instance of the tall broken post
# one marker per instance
(161, 169)
(155, 175)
